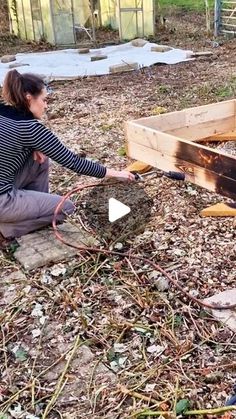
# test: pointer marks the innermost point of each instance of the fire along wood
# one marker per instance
(169, 142)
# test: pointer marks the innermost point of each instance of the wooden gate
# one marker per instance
(225, 17)
(37, 20)
(63, 22)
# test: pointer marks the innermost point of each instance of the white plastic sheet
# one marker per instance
(68, 64)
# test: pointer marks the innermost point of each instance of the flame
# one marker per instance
(186, 169)
(208, 160)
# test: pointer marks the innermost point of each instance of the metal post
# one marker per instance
(217, 17)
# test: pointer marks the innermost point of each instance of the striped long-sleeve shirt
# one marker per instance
(21, 134)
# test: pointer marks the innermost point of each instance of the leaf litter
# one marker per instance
(162, 352)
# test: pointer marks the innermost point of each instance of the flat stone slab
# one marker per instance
(42, 247)
(87, 375)
(228, 317)
(11, 287)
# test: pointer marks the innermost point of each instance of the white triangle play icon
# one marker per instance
(116, 210)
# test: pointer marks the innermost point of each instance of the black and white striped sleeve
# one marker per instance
(40, 138)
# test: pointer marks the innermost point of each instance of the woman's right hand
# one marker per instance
(122, 175)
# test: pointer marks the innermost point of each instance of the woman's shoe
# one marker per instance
(7, 243)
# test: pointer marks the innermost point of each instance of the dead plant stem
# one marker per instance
(60, 383)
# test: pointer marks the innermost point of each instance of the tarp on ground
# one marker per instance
(69, 64)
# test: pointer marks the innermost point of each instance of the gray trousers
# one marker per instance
(29, 206)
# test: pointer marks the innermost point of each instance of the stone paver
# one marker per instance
(42, 247)
(86, 375)
(228, 317)
(11, 286)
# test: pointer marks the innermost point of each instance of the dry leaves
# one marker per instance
(163, 350)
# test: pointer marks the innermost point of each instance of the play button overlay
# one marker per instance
(116, 210)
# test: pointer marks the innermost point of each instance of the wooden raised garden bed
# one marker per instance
(170, 142)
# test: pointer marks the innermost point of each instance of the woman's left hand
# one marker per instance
(39, 157)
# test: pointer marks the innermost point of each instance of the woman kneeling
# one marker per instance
(25, 146)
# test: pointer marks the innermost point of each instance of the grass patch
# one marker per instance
(188, 5)
(226, 91)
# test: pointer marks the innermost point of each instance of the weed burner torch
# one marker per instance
(160, 173)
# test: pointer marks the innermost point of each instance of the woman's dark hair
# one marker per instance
(16, 86)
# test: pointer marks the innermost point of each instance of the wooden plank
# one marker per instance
(98, 57)
(83, 50)
(229, 24)
(227, 136)
(139, 167)
(226, 31)
(219, 210)
(164, 122)
(118, 68)
(189, 117)
(205, 129)
(199, 54)
(7, 58)
(161, 48)
(212, 112)
(193, 173)
(139, 42)
(228, 10)
(219, 162)
(202, 165)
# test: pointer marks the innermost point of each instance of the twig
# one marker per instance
(60, 383)
(213, 411)
(152, 413)
(137, 395)
(28, 386)
(176, 393)
(97, 268)
(5, 354)
(33, 393)
(90, 382)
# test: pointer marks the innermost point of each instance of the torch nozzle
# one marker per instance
(170, 175)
